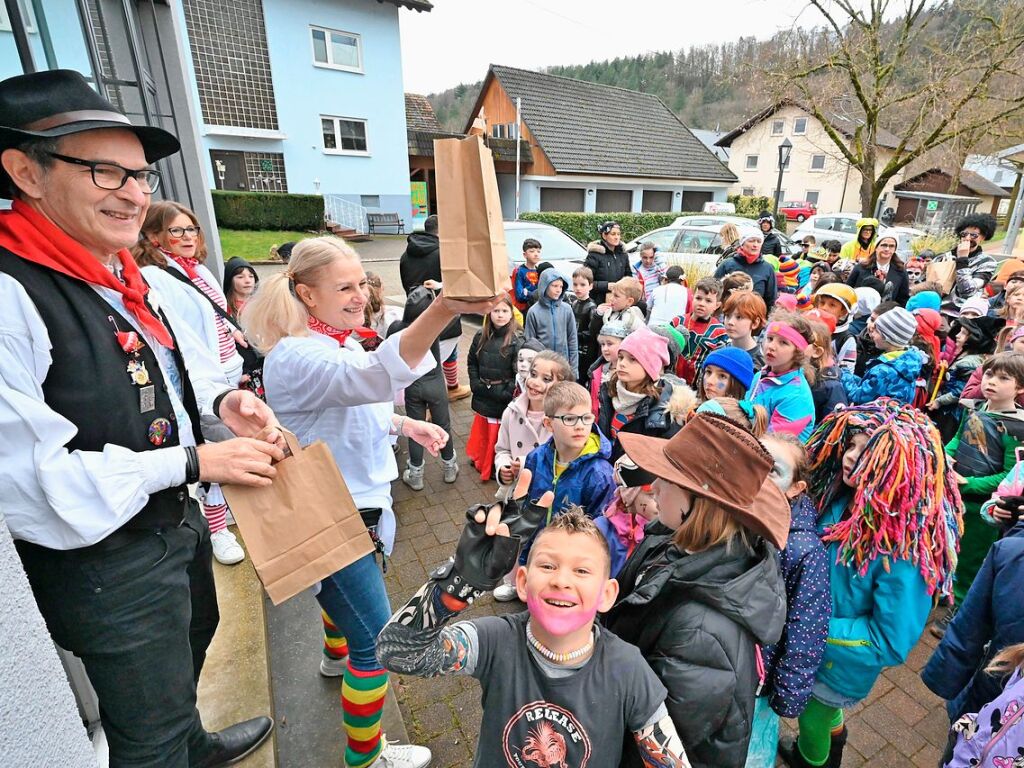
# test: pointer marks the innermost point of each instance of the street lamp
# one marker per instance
(785, 150)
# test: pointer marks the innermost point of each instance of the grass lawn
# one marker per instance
(254, 245)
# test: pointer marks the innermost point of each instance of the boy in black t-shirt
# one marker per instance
(557, 689)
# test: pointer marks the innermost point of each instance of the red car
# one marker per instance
(798, 210)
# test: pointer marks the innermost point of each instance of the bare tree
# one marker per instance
(946, 75)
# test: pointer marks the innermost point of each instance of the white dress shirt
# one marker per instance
(345, 397)
(65, 499)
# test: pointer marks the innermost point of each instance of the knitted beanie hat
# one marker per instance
(786, 301)
(733, 361)
(614, 329)
(926, 300)
(897, 326)
(976, 304)
(803, 301)
(649, 349)
(788, 266)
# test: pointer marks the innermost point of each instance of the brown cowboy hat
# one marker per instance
(714, 457)
(59, 102)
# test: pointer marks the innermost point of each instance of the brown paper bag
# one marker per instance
(474, 259)
(304, 526)
(943, 273)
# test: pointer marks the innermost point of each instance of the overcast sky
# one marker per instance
(457, 41)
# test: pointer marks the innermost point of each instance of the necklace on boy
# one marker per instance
(558, 658)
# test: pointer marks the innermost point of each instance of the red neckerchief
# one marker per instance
(31, 236)
(339, 336)
(187, 263)
(748, 257)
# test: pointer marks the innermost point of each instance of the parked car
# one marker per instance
(564, 252)
(715, 207)
(904, 237)
(829, 226)
(798, 210)
(702, 220)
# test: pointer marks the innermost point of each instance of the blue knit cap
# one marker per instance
(735, 362)
(924, 300)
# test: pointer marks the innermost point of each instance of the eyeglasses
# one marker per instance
(112, 176)
(571, 419)
(182, 231)
(970, 235)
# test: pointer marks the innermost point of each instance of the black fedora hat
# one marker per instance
(60, 102)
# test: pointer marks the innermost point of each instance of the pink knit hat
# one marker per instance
(649, 349)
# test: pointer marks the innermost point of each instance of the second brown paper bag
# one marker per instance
(474, 258)
(304, 526)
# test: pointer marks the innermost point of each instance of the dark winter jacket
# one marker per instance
(991, 618)
(761, 272)
(696, 619)
(415, 305)
(828, 393)
(420, 262)
(607, 266)
(792, 664)
(897, 284)
(650, 418)
(492, 374)
(583, 310)
(772, 245)
(552, 322)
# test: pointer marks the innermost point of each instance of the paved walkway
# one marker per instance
(900, 724)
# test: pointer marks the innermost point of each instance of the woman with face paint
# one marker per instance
(792, 663)
(889, 516)
(703, 587)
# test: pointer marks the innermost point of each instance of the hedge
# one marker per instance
(751, 207)
(268, 210)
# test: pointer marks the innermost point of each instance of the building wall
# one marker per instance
(39, 722)
(798, 179)
(499, 109)
(303, 92)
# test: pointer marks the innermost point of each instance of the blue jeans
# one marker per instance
(357, 603)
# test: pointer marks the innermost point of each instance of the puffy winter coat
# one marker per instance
(877, 616)
(792, 664)
(892, 374)
(651, 416)
(420, 262)
(608, 266)
(972, 275)
(696, 619)
(991, 618)
(856, 252)
(516, 435)
(828, 393)
(492, 374)
(583, 311)
(995, 735)
(553, 323)
(788, 400)
(772, 245)
(761, 272)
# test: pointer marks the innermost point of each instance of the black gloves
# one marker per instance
(523, 517)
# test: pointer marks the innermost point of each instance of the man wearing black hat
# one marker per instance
(101, 393)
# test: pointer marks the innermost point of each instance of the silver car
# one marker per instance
(830, 226)
(560, 249)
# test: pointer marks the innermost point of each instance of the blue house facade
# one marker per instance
(303, 96)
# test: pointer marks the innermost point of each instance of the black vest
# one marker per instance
(88, 381)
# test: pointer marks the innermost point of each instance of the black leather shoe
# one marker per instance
(235, 742)
(790, 754)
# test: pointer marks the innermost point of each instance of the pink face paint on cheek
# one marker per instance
(559, 621)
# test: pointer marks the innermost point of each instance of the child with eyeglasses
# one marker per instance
(574, 461)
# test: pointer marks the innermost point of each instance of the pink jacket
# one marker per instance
(516, 435)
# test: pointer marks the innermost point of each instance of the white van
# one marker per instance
(713, 207)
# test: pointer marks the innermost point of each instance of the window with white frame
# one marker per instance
(812, 196)
(817, 162)
(28, 16)
(748, 192)
(780, 198)
(336, 49)
(344, 135)
(751, 163)
(778, 127)
(800, 126)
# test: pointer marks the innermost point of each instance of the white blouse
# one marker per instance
(344, 396)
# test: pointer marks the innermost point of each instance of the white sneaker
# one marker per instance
(506, 593)
(451, 469)
(333, 667)
(413, 477)
(226, 548)
(402, 756)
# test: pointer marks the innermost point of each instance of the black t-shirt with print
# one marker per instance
(531, 720)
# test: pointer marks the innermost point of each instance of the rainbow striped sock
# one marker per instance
(335, 644)
(362, 699)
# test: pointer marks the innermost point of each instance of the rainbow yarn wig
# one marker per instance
(906, 504)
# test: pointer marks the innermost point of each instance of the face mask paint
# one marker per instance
(524, 361)
(558, 621)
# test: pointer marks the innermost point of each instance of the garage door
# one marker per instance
(561, 199)
(657, 201)
(614, 200)
(694, 201)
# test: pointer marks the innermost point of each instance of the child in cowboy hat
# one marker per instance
(704, 587)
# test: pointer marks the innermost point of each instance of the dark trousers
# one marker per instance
(141, 617)
(429, 393)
